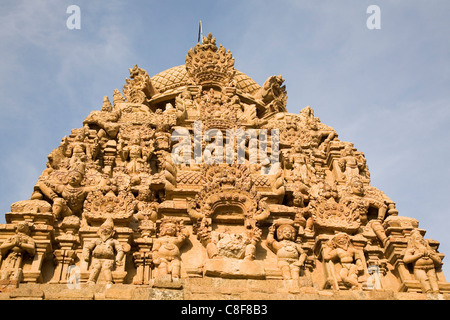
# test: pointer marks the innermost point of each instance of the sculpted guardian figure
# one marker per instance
(290, 254)
(13, 250)
(166, 248)
(106, 252)
(424, 260)
(341, 251)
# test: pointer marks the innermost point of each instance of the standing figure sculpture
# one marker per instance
(13, 250)
(290, 254)
(341, 251)
(106, 253)
(166, 248)
(424, 260)
(136, 155)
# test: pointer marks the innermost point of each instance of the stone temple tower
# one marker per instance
(197, 183)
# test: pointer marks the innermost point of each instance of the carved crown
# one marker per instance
(208, 65)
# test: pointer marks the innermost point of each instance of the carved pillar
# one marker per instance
(42, 235)
(123, 235)
(143, 260)
(87, 235)
(66, 255)
(330, 279)
(307, 240)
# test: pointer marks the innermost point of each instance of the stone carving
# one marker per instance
(68, 198)
(119, 207)
(105, 253)
(350, 164)
(424, 261)
(139, 88)
(273, 94)
(113, 187)
(339, 251)
(207, 64)
(291, 256)
(14, 251)
(166, 249)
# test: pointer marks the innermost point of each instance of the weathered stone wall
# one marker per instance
(206, 289)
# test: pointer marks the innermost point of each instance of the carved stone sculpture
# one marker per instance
(166, 249)
(424, 261)
(198, 173)
(340, 252)
(291, 256)
(14, 250)
(105, 253)
(68, 198)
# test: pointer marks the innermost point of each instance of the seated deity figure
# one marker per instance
(13, 250)
(341, 251)
(166, 248)
(424, 261)
(106, 252)
(68, 198)
(290, 254)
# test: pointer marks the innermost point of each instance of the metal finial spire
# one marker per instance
(200, 32)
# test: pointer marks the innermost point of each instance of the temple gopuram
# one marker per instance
(146, 201)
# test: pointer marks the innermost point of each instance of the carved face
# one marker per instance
(105, 232)
(23, 228)
(348, 151)
(80, 137)
(327, 191)
(417, 237)
(135, 141)
(145, 195)
(342, 240)
(75, 178)
(357, 187)
(286, 232)
(169, 229)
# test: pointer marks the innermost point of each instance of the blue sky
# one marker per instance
(386, 90)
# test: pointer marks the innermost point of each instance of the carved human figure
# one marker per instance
(166, 248)
(301, 164)
(359, 198)
(350, 164)
(106, 118)
(77, 149)
(146, 212)
(184, 103)
(106, 252)
(136, 155)
(424, 260)
(290, 254)
(13, 251)
(67, 198)
(339, 250)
